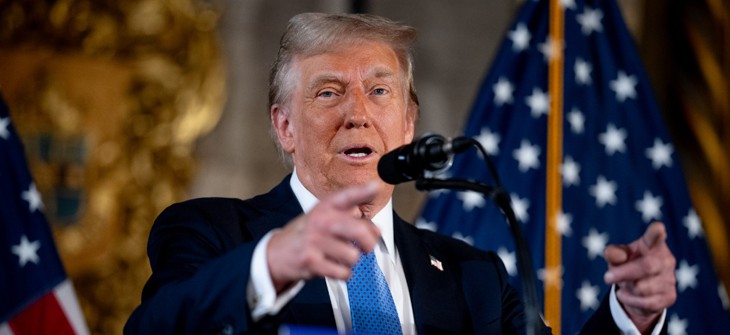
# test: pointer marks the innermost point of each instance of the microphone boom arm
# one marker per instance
(524, 260)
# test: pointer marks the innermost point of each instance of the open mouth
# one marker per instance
(358, 152)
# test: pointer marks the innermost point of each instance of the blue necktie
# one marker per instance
(371, 304)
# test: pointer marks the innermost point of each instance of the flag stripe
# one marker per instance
(43, 316)
(66, 296)
(553, 196)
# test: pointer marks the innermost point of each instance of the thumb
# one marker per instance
(616, 254)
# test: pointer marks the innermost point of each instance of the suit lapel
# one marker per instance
(433, 286)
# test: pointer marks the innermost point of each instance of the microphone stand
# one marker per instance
(503, 202)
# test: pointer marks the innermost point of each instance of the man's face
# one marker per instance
(348, 108)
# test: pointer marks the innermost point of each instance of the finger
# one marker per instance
(651, 304)
(326, 267)
(353, 196)
(341, 252)
(363, 233)
(616, 254)
(654, 236)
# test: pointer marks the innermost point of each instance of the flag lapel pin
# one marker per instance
(436, 263)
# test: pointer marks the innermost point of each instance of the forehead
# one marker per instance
(366, 59)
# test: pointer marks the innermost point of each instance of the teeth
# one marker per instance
(357, 154)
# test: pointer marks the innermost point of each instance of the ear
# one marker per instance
(410, 125)
(282, 127)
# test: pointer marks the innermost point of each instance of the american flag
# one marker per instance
(619, 168)
(37, 297)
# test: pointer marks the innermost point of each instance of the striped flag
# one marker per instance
(617, 170)
(37, 297)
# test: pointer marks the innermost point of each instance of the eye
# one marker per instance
(326, 94)
(380, 91)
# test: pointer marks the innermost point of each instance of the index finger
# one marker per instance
(654, 235)
(353, 196)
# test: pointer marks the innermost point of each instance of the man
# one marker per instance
(341, 96)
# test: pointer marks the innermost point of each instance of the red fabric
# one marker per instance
(44, 316)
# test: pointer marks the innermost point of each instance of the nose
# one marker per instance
(356, 111)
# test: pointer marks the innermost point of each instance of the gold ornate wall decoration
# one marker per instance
(110, 98)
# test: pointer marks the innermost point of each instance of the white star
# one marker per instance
(471, 199)
(723, 296)
(588, 296)
(582, 71)
(552, 277)
(686, 276)
(27, 251)
(624, 86)
(568, 4)
(613, 139)
(509, 259)
(570, 171)
(4, 123)
(520, 206)
(550, 49)
(660, 154)
(604, 191)
(539, 102)
(576, 120)
(590, 20)
(564, 222)
(595, 243)
(468, 239)
(423, 224)
(489, 140)
(502, 91)
(33, 197)
(520, 37)
(650, 207)
(527, 155)
(677, 326)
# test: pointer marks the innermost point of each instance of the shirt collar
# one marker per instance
(383, 219)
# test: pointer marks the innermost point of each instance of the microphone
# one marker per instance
(431, 152)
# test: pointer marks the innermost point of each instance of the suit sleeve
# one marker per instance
(199, 276)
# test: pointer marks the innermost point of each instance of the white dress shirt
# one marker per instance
(264, 301)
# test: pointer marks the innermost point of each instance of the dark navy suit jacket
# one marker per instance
(200, 253)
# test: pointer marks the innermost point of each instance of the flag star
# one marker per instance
(590, 20)
(582, 71)
(4, 123)
(650, 207)
(570, 171)
(468, 239)
(33, 197)
(564, 222)
(595, 243)
(624, 86)
(471, 199)
(539, 102)
(423, 224)
(503, 91)
(527, 155)
(489, 140)
(520, 37)
(550, 49)
(552, 277)
(576, 120)
(660, 154)
(613, 139)
(604, 191)
(686, 276)
(27, 251)
(568, 4)
(520, 206)
(509, 259)
(723, 296)
(588, 296)
(677, 326)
